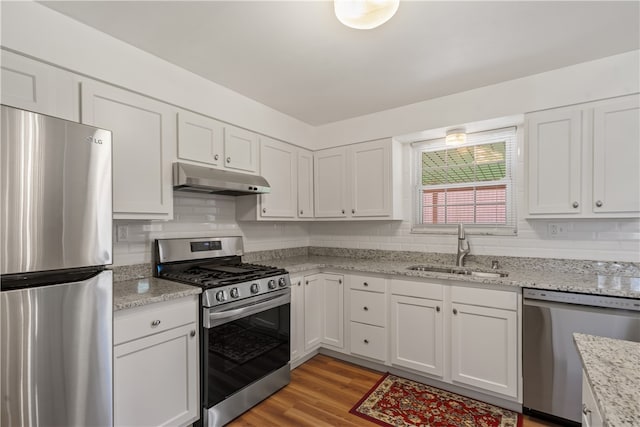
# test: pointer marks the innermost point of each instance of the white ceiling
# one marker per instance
(295, 57)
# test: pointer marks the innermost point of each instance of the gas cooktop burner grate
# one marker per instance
(209, 276)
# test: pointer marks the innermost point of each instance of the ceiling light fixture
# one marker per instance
(456, 136)
(365, 14)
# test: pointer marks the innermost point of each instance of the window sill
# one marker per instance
(472, 230)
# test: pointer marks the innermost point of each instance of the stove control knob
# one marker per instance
(220, 296)
(272, 284)
(282, 282)
(255, 288)
(234, 293)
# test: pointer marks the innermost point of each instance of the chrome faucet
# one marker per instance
(462, 252)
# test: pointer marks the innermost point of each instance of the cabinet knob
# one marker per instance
(365, 284)
(301, 211)
(366, 341)
(575, 204)
(306, 283)
(339, 281)
(343, 211)
(585, 409)
(216, 157)
(192, 333)
(599, 203)
(299, 283)
(353, 211)
(228, 159)
(455, 311)
(264, 210)
(155, 323)
(438, 308)
(365, 308)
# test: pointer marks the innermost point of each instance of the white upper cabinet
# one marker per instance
(144, 140)
(555, 147)
(289, 172)
(35, 86)
(305, 183)
(616, 157)
(200, 138)
(279, 167)
(205, 140)
(361, 181)
(583, 160)
(330, 183)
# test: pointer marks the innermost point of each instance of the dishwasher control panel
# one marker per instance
(619, 303)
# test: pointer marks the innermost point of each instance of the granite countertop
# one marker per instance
(612, 370)
(589, 283)
(139, 292)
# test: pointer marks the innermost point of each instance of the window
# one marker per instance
(469, 183)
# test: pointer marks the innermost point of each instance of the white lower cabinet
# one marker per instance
(313, 311)
(591, 416)
(333, 310)
(297, 318)
(368, 341)
(417, 326)
(156, 372)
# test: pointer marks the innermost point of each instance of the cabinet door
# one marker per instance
(616, 151)
(305, 184)
(554, 159)
(313, 311)
(156, 379)
(144, 140)
(330, 184)
(278, 165)
(41, 88)
(297, 318)
(200, 138)
(333, 317)
(370, 171)
(412, 346)
(240, 149)
(484, 343)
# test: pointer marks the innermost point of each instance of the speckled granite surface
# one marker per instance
(590, 282)
(139, 292)
(613, 372)
(130, 272)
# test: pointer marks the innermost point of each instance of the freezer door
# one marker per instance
(56, 354)
(56, 193)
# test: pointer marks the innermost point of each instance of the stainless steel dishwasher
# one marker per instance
(552, 371)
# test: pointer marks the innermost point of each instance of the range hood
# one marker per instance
(201, 179)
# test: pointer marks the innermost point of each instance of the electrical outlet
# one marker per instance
(123, 233)
(557, 229)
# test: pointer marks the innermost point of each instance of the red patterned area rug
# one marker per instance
(399, 402)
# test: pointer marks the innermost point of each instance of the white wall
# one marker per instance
(35, 30)
(198, 215)
(603, 78)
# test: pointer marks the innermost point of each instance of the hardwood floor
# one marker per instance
(321, 393)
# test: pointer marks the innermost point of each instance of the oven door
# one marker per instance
(243, 343)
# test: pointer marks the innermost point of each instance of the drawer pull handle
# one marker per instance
(575, 205)
(365, 308)
(155, 323)
(438, 308)
(365, 284)
(192, 333)
(585, 409)
(366, 341)
(455, 311)
(599, 203)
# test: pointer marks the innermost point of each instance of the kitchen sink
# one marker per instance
(458, 270)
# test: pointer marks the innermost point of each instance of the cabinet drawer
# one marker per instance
(369, 341)
(368, 307)
(138, 322)
(365, 283)
(506, 300)
(417, 289)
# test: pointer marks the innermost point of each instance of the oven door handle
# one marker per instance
(216, 318)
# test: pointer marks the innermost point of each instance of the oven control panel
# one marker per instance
(239, 291)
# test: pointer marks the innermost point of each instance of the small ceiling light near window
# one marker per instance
(365, 14)
(456, 137)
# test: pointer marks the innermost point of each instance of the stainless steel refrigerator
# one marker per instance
(56, 302)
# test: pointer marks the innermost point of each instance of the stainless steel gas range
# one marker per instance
(245, 323)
